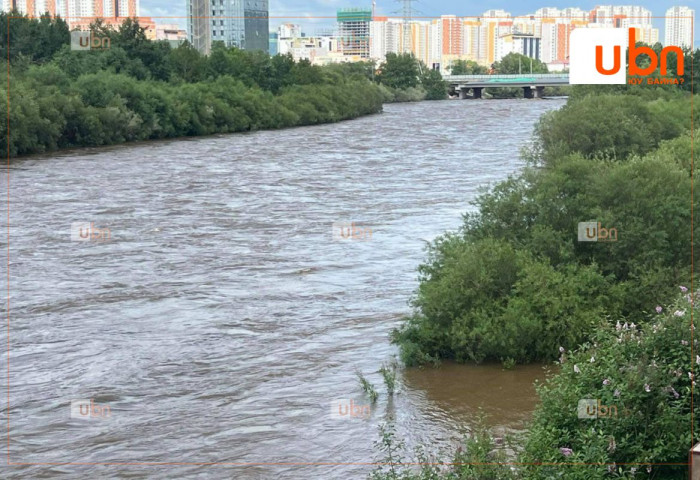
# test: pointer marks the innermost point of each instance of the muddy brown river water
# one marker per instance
(212, 317)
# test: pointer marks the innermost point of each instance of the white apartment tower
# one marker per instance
(679, 27)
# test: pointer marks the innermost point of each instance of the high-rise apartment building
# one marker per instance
(74, 10)
(353, 32)
(620, 16)
(451, 35)
(386, 36)
(679, 27)
(33, 8)
(556, 39)
(495, 24)
(420, 41)
(627, 16)
(256, 25)
(471, 38)
(198, 18)
(237, 23)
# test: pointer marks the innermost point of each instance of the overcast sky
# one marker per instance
(309, 13)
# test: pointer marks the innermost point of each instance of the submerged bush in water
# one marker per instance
(614, 406)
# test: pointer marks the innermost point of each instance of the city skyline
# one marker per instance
(441, 43)
(316, 16)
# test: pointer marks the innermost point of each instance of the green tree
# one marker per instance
(435, 87)
(35, 39)
(400, 70)
(611, 125)
(187, 63)
(518, 63)
(467, 67)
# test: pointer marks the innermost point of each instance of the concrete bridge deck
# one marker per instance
(532, 84)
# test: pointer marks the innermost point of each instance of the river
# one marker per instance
(215, 318)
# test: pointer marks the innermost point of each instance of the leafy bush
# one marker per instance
(515, 282)
(611, 126)
(486, 301)
(643, 370)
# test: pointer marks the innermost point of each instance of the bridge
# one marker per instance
(532, 84)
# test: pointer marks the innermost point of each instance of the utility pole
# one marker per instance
(407, 17)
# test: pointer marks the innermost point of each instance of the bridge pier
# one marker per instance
(476, 92)
(534, 91)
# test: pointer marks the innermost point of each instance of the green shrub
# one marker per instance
(611, 126)
(485, 301)
(367, 387)
(516, 283)
(643, 370)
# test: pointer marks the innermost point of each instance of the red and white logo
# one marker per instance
(597, 56)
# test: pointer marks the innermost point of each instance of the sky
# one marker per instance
(308, 13)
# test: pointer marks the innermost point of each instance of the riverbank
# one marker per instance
(137, 89)
(520, 281)
(50, 112)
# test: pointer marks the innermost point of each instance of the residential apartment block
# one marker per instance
(679, 27)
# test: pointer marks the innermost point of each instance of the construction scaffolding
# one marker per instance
(353, 31)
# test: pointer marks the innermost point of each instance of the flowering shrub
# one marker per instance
(645, 373)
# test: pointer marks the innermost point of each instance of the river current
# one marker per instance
(210, 316)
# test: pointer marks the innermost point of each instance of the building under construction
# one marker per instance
(353, 31)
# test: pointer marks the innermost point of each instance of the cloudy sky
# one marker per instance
(310, 13)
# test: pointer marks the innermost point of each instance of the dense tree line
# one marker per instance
(139, 89)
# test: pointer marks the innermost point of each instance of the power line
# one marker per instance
(407, 17)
